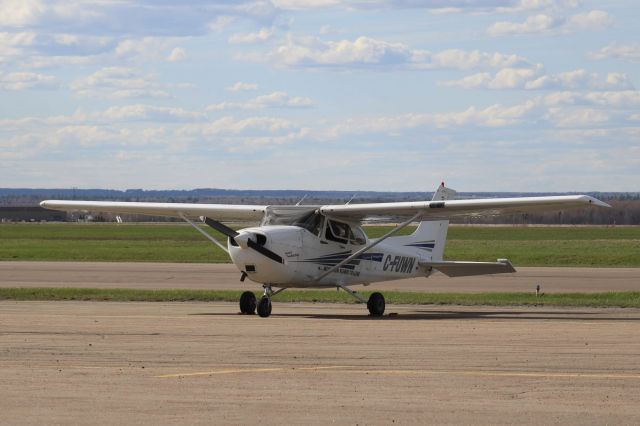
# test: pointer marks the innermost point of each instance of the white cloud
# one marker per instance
(27, 80)
(12, 44)
(535, 79)
(272, 100)
(590, 21)
(549, 24)
(261, 36)
(235, 134)
(117, 83)
(589, 110)
(628, 52)
(240, 86)
(608, 100)
(362, 51)
(534, 24)
(493, 116)
(579, 117)
(18, 13)
(435, 6)
(366, 52)
(506, 78)
(142, 48)
(308, 4)
(149, 113)
(16, 39)
(220, 23)
(582, 80)
(177, 54)
(464, 60)
(131, 18)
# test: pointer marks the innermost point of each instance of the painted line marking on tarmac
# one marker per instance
(353, 369)
(251, 370)
(535, 374)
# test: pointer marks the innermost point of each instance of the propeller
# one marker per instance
(231, 233)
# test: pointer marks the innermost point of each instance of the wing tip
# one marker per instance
(594, 201)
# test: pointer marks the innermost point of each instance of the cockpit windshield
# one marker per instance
(308, 219)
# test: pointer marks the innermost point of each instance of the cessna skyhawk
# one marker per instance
(325, 247)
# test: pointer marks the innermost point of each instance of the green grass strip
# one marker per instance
(609, 299)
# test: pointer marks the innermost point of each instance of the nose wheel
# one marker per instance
(264, 306)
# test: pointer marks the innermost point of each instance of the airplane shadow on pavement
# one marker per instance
(454, 315)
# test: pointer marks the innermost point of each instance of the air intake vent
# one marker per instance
(261, 239)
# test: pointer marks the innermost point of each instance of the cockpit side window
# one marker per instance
(357, 237)
(343, 233)
(311, 222)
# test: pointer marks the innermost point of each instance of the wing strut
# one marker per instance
(370, 246)
(200, 230)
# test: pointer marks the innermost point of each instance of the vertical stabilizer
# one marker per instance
(443, 193)
(433, 234)
(428, 239)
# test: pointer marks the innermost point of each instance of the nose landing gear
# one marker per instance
(264, 305)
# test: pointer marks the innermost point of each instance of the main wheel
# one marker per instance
(264, 307)
(376, 304)
(248, 303)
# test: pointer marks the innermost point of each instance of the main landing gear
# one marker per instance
(375, 304)
(249, 304)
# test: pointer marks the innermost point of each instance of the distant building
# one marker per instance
(30, 214)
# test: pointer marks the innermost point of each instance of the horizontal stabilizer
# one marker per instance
(465, 269)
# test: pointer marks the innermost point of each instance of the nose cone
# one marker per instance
(243, 239)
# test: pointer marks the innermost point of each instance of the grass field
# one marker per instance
(534, 246)
(611, 299)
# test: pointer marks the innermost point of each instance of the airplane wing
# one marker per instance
(221, 212)
(451, 208)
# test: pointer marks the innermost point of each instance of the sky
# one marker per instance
(387, 95)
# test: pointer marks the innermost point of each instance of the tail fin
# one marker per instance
(430, 236)
(429, 239)
(443, 193)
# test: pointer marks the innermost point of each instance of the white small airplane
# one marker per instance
(325, 247)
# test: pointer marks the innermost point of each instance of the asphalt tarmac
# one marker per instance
(226, 276)
(111, 363)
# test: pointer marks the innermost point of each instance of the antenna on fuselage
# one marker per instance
(351, 199)
(301, 200)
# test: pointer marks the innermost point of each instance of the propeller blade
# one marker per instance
(223, 229)
(264, 251)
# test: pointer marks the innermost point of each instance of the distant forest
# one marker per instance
(625, 211)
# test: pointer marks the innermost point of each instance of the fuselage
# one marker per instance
(307, 254)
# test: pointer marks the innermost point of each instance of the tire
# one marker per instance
(376, 304)
(264, 307)
(248, 303)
